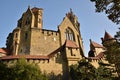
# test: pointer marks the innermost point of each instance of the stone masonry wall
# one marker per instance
(43, 42)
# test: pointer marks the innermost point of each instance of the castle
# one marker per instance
(48, 48)
(53, 51)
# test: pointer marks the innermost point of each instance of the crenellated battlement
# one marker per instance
(35, 60)
(50, 32)
(46, 32)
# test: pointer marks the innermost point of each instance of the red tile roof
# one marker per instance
(56, 51)
(36, 9)
(67, 44)
(3, 50)
(96, 45)
(24, 56)
(107, 36)
(31, 56)
(71, 44)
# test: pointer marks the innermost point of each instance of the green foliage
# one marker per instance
(104, 72)
(9, 42)
(83, 71)
(3, 71)
(117, 36)
(21, 70)
(111, 8)
(113, 53)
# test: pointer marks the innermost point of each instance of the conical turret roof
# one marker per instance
(107, 36)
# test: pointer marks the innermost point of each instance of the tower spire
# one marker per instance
(29, 6)
(71, 10)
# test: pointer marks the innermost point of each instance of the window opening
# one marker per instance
(26, 36)
(69, 34)
(16, 35)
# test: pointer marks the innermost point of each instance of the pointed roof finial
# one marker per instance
(29, 6)
(71, 10)
(90, 40)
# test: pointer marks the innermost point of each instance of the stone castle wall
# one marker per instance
(48, 66)
(43, 42)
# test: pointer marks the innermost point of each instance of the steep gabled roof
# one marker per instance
(95, 45)
(56, 51)
(71, 44)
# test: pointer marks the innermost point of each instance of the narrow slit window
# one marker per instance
(26, 36)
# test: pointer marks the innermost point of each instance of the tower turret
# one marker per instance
(38, 20)
(107, 38)
(16, 40)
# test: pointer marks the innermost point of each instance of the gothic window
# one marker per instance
(69, 34)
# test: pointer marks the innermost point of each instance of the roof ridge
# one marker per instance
(96, 45)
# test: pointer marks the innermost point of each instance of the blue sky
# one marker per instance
(93, 25)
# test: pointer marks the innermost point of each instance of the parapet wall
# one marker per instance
(48, 66)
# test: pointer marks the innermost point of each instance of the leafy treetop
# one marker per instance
(110, 7)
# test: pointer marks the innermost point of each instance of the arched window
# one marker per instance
(69, 34)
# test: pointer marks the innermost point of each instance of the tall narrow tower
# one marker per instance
(38, 20)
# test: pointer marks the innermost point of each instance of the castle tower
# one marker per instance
(108, 39)
(107, 36)
(38, 20)
(23, 34)
(71, 37)
(16, 40)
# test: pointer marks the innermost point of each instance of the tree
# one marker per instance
(117, 36)
(105, 71)
(21, 70)
(83, 71)
(113, 53)
(3, 71)
(110, 7)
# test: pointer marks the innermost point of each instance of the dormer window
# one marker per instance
(69, 34)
